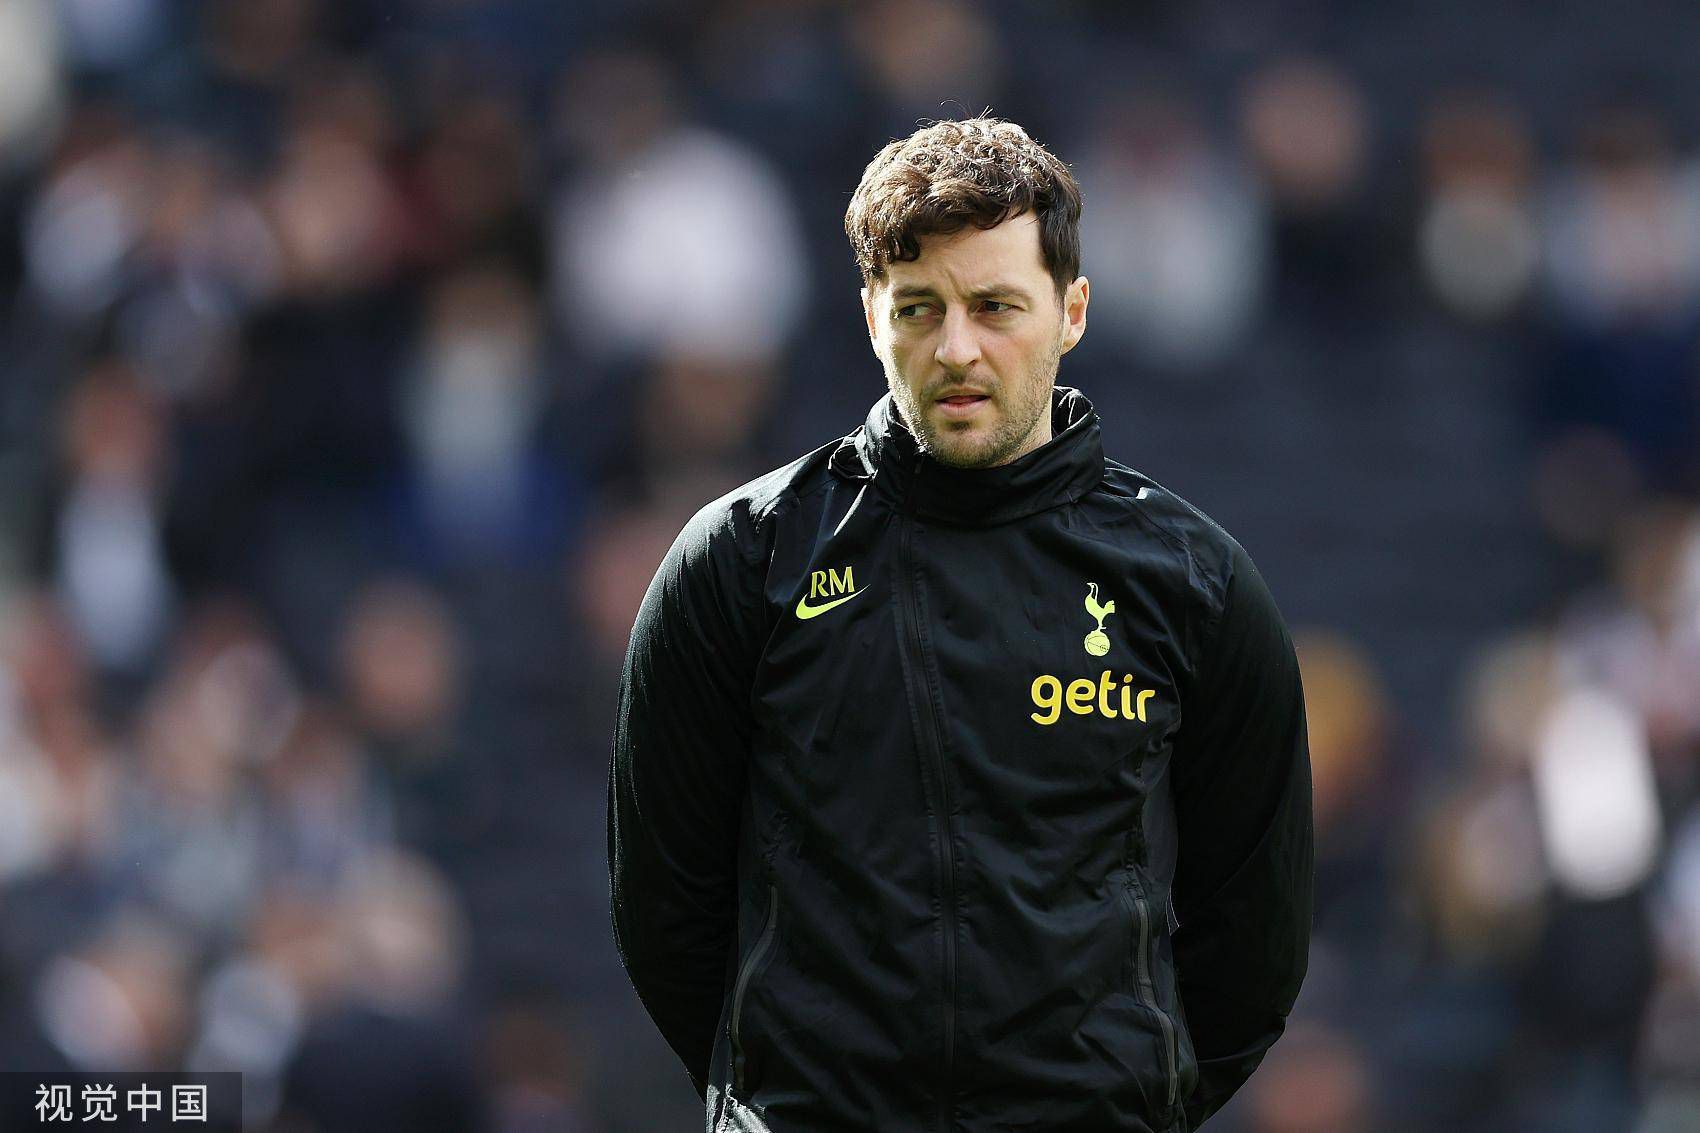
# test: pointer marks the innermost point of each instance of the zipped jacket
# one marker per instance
(947, 799)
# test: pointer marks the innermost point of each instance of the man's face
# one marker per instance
(970, 334)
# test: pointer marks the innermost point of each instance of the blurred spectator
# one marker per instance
(336, 213)
(1594, 786)
(402, 667)
(108, 551)
(537, 1073)
(86, 218)
(401, 660)
(254, 1005)
(1306, 127)
(205, 257)
(482, 482)
(1312, 1082)
(392, 1054)
(57, 779)
(697, 419)
(235, 87)
(30, 91)
(608, 582)
(1351, 740)
(1623, 256)
(783, 75)
(1640, 640)
(1175, 239)
(117, 1002)
(670, 238)
(325, 811)
(898, 45)
(477, 185)
(1478, 240)
(1625, 243)
(191, 832)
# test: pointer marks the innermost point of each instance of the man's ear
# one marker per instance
(1074, 312)
(868, 311)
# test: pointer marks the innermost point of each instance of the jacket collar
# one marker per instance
(1059, 471)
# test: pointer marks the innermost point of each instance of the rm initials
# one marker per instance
(825, 583)
(1085, 696)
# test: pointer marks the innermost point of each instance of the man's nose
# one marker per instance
(959, 344)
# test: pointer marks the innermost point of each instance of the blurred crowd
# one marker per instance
(358, 362)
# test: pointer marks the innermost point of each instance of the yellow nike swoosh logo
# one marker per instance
(806, 611)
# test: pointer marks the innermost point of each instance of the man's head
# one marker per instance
(967, 235)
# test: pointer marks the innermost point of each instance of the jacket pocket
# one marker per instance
(757, 957)
(1145, 931)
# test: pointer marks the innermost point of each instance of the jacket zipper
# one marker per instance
(934, 741)
(757, 954)
(1148, 996)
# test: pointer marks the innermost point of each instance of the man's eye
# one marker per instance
(1000, 306)
(913, 310)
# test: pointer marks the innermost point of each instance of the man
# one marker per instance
(960, 780)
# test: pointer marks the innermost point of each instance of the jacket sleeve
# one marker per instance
(1243, 813)
(676, 782)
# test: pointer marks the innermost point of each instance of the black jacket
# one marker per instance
(951, 799)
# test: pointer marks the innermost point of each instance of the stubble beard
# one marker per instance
(1019, 418)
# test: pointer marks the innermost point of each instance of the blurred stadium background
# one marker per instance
(359, 359)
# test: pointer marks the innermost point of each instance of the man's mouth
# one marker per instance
(962, 404)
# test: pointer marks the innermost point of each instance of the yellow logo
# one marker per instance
(1097, 642)
(1085, 696)
(823, 584)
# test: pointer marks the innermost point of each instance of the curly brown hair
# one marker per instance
(948, 175)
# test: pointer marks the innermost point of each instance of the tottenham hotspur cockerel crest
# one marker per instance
(1098, 642)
